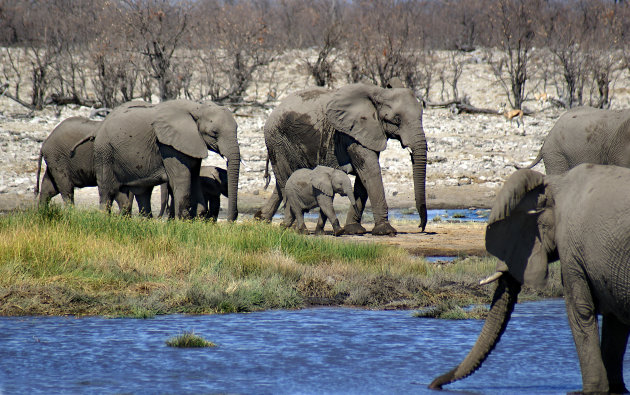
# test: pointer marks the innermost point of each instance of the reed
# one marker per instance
(69, 261)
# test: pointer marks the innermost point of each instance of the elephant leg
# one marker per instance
(48, 190)
(183, 178)
(214, 205)
(144, 203)
(298, 212)
(355, 211)
(164, 195)
(125, 202)
(271, 206)
(321, 222)
(64, 186)
(326, 207)
(289, 217)
(614, 342)
(584, 326)
(365, 163)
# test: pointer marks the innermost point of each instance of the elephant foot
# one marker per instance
(337, 230)
(319, 231)
(354, 229)
(258, 216)
(384, 229)
(303, 230)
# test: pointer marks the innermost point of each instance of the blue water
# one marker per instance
(312, 351)
(450, 215)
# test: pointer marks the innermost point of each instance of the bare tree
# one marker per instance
(379, 48)
(328, 37)
(604, 50)
(235, 40)
(514, 35)
(158, 28)
(565, 29)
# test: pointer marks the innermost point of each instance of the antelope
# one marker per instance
(541, 97)
(511, 114)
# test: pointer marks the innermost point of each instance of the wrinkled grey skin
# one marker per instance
(586, 135)
(214, 183)
(141, 145)
(580, 218)
(307, 189)
(66, 170)
(347, 129)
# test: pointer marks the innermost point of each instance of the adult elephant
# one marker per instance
(347, 129)
(67, 169)
(586, 135)
(579, 218)
(141, 145)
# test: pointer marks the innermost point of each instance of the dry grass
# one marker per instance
(68, 261)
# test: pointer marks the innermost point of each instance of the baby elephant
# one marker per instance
(308, 188)
(214, 183)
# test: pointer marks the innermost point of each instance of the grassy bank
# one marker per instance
(69, 261)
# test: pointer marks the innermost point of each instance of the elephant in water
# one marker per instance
(214, 183)
(307, 189)
(141, 145)
(67, 169)
(580, 218)
(586, 135)
(347, 129)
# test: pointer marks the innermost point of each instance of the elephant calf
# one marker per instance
(214, 183)
(306, 189)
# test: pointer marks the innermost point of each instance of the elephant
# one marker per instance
(586, 135)
(306, 189)
(141, 145)
(347, 129)
(67, 169)
(579, 218)
(214, 183)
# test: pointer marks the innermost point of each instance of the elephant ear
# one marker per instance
(321, 182)
(520, 228)
(352, 111)
(176, 126)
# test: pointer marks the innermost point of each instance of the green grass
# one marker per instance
(67, 261)
(189, 340)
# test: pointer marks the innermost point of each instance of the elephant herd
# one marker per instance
(315, 138)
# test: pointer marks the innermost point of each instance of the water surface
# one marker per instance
(311, 351)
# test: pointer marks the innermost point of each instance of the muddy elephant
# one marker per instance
(214, 183)
(141, 145)
(347, 129)
(586, 135)
(579, 218)
(307, 189)
(67, 169)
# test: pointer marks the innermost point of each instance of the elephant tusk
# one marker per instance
(491, 279)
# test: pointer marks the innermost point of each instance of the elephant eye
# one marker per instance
(396, 120)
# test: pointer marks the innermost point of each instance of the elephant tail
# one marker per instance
(267, 176)
(83, 140)
(534, 162)
(39, 171)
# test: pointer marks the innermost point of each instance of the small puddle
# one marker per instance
(440, 259)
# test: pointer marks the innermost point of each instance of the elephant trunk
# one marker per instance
(233, 167)
(419, 166)
(349, 191)
(228, 147)
(503, 302)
